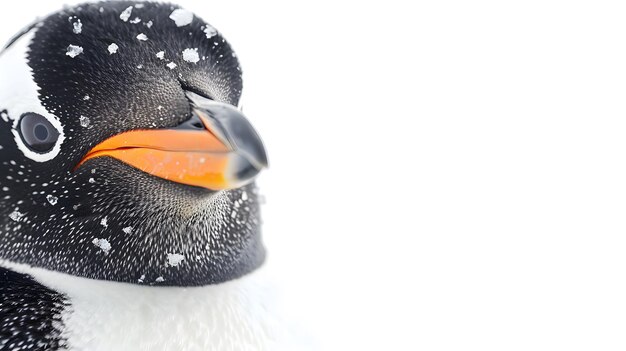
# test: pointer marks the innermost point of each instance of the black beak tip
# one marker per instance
(233, 128)
(230, 125)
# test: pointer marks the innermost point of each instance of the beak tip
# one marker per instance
(263, 161)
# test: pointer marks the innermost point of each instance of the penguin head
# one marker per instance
(123, 153)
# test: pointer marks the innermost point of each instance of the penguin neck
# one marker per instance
(233, 313)
(169, 235)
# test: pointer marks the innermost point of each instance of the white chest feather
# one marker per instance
(116, 316)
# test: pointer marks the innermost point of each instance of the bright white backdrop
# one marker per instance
(444, 175)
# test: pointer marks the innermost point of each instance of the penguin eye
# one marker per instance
(37, 132)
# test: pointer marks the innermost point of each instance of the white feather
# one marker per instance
(235, 315)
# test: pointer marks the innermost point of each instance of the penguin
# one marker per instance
(129, 214)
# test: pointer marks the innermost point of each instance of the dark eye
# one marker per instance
(38, 134)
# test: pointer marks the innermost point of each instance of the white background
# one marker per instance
(444, 175)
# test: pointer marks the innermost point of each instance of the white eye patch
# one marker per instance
(19, 95)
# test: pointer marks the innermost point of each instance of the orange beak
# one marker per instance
(216, 149)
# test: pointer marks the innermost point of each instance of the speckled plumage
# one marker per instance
(217, 232)
(107, 220)
(30, 314)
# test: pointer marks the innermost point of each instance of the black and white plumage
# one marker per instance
(30, 313)
(95, 238)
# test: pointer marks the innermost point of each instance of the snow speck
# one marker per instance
(159, 280)
(113, 49)
(136, 20)
(104, 223)
(74, 50)
(84, 121)
(210, 31)
(16, 215)
(142, 278)
(142, 37)
(52, 199)
(181, 17)
(139, 66)
(171, 65)
(191, 55)
(244, 195)
(86, 97)
(160, 55)
(103, 244)
(92, 181)
(149, 24)
(125, 15)
(174, 259)
(127, 230)
(78, 27)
